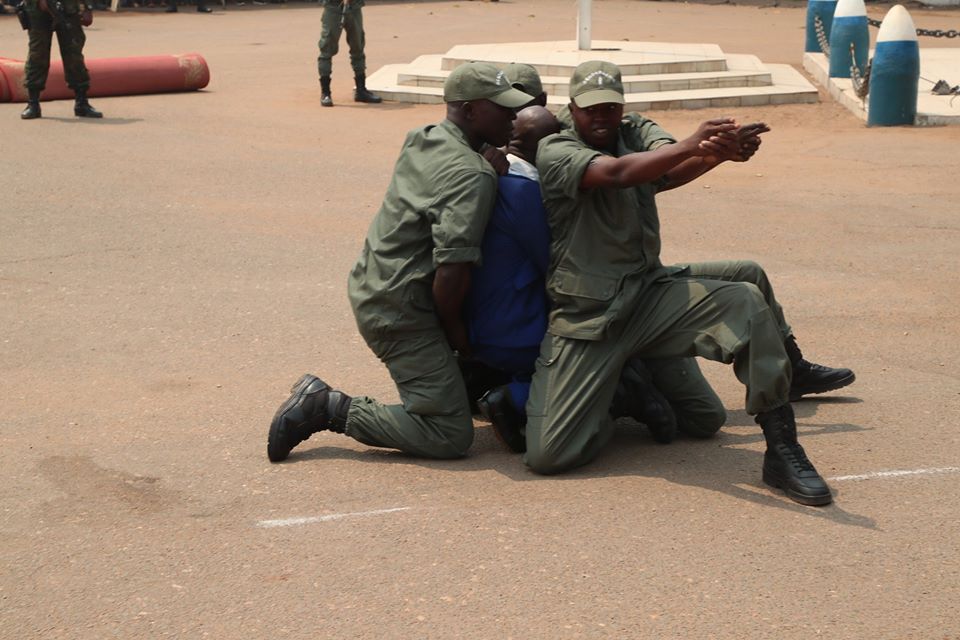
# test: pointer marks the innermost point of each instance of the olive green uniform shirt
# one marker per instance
(621, 225)
(434, 212)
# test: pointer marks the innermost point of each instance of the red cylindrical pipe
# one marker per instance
(113, 77)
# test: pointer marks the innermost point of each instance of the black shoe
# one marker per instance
(479, 378)
(326, 100)
(204, 10)
(172, 9)
(32, 112)
(86, 111)
(814, 378)
(638, 398)
(658, 415)
(303, 414)
(361, 94)
(508, 423)
(785, 463)
(82, 108)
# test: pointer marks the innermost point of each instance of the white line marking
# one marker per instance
(892, 474)
(290, 522)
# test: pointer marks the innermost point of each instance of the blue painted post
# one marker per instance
(824, 10)
(895, 71)
(849, 27)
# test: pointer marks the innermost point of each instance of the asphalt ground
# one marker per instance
(168, 272)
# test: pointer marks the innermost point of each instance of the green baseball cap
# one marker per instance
(525, 78)
(596, 82)
(482, 81)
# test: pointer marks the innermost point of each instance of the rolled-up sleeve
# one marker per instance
(461, 215)
(562, 162)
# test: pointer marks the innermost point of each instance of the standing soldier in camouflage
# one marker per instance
(67, 18)
(338, 16)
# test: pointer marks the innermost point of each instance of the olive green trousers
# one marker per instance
(712, 316)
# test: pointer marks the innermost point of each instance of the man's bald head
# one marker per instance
(531, 126)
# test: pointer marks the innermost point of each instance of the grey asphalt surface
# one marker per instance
(167, 273)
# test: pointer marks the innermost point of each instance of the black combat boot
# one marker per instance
(312, 406)
(82, 108)
(785, 464)
(325, 98)
(813, 378)
(33, 106)
(360, 94)
(496, 406)
(478, 378)
(638, 398)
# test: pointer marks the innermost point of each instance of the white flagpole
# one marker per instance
(583, 26)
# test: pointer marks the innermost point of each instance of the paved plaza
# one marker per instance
(168, 272)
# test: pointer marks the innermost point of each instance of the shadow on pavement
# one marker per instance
(720, 464)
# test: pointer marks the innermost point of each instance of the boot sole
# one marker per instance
(777, 482)
(273, 439)
(796, 394)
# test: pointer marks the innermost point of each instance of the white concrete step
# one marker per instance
(561, 58)
(656, 75)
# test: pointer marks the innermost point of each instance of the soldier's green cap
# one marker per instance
(482, 81)
(596, 82)
(525, 78)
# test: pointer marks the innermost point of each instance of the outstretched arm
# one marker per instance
(735, 146)
(646, 166)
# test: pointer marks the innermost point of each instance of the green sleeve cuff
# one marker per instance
(457, 255)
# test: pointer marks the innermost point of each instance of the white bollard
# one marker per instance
(849, 27)
(895, 71)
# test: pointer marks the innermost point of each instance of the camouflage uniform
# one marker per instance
(70, 37)
(337, 18)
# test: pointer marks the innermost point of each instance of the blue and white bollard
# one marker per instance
(822, 9)
(895, 71)
(849, 27)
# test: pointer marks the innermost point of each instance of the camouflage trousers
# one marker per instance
(336, 19)
(70, 37)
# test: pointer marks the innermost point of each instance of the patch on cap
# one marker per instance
(596, 82)
(482, 81)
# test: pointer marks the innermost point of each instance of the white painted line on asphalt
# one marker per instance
(893, 474)
(292, 522)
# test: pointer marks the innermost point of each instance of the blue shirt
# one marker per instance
(507, 304)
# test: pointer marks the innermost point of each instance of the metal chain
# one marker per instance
(821, 36)
(933, 33)
(861, 83)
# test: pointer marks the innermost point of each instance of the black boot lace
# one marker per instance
(797, 457)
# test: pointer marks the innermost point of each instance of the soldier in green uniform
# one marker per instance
(613, 298)
(338, 16)
(526, 78)
(408, 286)
(64, 18)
